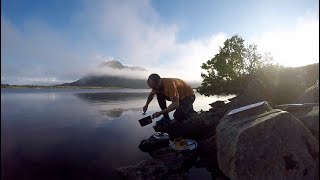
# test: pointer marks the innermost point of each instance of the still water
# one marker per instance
(76, 134)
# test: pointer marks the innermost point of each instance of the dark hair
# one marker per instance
(154, 77)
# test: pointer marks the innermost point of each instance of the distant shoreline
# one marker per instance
(64, 87)
(58, 87)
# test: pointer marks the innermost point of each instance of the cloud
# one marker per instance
(146, 41)
(141, 36)
(189, 56)
(128, 72)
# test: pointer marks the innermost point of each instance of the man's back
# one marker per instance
(175, 86)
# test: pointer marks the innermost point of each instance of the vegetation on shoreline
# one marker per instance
(228, 71)
(237, 64)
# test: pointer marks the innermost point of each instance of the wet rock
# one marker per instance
(262, 143)
(197, 126)
(152, 144)
(148, 169)
(168, 165)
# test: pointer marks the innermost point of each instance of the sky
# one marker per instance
(58, 41)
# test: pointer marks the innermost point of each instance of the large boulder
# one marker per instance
(265, 143)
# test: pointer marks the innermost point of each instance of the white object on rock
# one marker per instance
(243, 108)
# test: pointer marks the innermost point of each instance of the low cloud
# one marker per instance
(130, 72)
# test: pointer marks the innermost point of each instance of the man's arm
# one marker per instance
(150, 97)
(174, 105)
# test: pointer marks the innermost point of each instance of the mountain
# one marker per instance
(109, 81)
(112, 80)
(118, 65)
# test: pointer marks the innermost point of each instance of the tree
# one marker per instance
(227, 71)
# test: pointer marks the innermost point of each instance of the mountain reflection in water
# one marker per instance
(113, 105)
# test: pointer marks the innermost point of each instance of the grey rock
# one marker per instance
(261, 143)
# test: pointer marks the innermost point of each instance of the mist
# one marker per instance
(125, 73)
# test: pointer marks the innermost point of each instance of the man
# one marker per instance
(175, 90)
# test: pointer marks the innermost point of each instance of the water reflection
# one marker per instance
(113, 105)
(73, 134)
(111, 96)
(57, 135)
(117, 112)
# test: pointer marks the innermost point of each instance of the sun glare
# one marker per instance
(297, 48)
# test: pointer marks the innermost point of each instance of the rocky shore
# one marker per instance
(263, 142)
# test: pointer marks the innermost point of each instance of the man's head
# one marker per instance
(154, 82)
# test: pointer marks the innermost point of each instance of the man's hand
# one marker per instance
(144, 109)
(156, 114)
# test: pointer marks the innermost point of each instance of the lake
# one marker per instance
(76, 133)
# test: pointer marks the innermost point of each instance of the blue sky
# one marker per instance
(50, 42)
